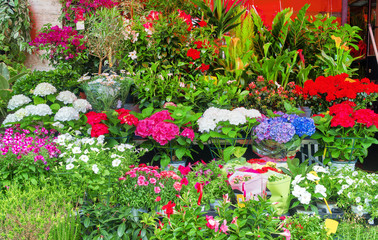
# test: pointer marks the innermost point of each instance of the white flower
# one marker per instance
(312, 177)
(91, 141)
(222, 115)
(100, 140)
(371, 221)
(21, 113)
(250, 113)
(95, 168)
(297, 179)
(95, 150)
(340, 192)
(89, 131)
(360, 208)
(343, 187)
(373, 182)
(320, 169)
(116, 162)
(350, 181)
(84, 158)
(114, 156)
(298, 191)
(58, 125)
(70, 166)
(66, 97)
(76, 150)
(367, 202)
(82, 105)
(133, 55)
(86, 151)
(41, 110)
(11, 118)
(66, 114)
(358, 199)
(305, 198)
(237, 118)
(121, 148)
(321, 189)
(77, 132)
(355, 173)
(17, 101)
(349, 194)
(206, 124)
(44, 89)
(211, 112)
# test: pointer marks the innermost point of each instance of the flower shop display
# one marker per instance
(224, 128)
(169, 131)
(345, 133)
(27, 155)
(279, 138)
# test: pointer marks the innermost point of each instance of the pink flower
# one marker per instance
(147, 25)
(164, 132)
(121, 178)
(141, 178)
(140, 182)
(224, 227)
(153, 181)
(234, 220)
(158, 198)
(157, 190)
(144, 128)
(226, 198)
(189, 133)
(177, 186)
(145, 183)
(184, 181)
(286, 234)
(133, 175)
(160, 117)
(161, 185)
(184, 170)
(210, 222)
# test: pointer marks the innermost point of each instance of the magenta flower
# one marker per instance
(184, 181)
(189, 133)
(224, 227)
(164, 132)
(157, 190)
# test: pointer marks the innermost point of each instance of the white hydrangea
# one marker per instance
(21, 113)
(11, 118)
(66, 97)
(82, 105)
(31, 109)
(211, 112)
(237, 118)
(66, 114)
(42, 110)
(250, 113)
(206, 124)
(44, 89)
(222, 115)
(17, 101)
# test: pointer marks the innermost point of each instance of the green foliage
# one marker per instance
(169, 6)
(103, 221)
(62, 79)
(15, 26)
(296, 168)
(352, 230)
(68, 227)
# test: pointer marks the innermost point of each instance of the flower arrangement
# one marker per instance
(228, 126)
(325, 92)
(26, 155)
(145, 187)
(48, 108)
(345, 132)
(168, 130)
(279, 137)
(87, 161)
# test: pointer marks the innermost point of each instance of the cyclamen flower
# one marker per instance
(66, 114)
(17, 101)
(82, 105)
(66, 97)
(44, 89)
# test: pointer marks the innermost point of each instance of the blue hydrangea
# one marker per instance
(282, 132)
(262, 131)
(304, 126)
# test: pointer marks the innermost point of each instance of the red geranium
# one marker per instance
(204, 67)
(364, 116)
(126, 117)
(193, 53)
(199, 44)
(99, 129)
(93, 117)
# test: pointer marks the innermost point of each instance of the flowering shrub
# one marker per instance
(87, 161)
(268, 95)
(325, 92)
(168, 130)
(61, 44)
(346, 132)
(26, 155)
(48, 108)
(145, 187)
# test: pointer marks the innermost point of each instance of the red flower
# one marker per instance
(184, 181)
(169, 208)
(199, 44)
(341, 108)
(184, 170)
(158, 198)
(202, 24)
(99, 129)
(364, 116)
(342, 120)
(204, 67)
(300, 53)
(93, 117)
(193, 53)
(126, 117)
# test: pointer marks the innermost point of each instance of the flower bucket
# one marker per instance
(336, 165)
(280, 191)
(251, 188)
(270, 150)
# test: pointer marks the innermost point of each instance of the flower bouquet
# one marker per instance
(225, 129)
(345, 132)
(170, 132)
(279, 138)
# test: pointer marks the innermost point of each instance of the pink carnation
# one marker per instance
(153, 181)
(177, 186)
(164, 132)
(189, 133)
(157, 190)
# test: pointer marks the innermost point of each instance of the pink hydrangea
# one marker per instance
(160, 117)
(189, 133)
(144, 128)
(164, 132)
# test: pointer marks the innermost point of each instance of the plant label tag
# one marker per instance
(240, 198)
(331, 226)
(80, 25)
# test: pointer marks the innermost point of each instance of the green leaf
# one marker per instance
(121, 229)
(38, 100)
(87, 221)
(180, 152)
(164, 160)
(51, 98)
(55, 107)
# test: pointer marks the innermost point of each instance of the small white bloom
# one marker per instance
(360, 208)
(66, 97)
(95, 150)
(91, 141)
(321, 189)
(76, 150)
(312, 177)
(77, 132)
(17, 101)
(355, 173)
(84, 158)
(70, 166)
(358, 199)
(86, 151)
(350, 181)
(133, 55)
(44, 89)
(58, 125)
(305, 198)
(371, 221)
(114, 156)
(82, 105)
(349, 194)
(121, 148)
(95, 168)
(340, 192)
(297, 179)
(237, 118)
(116, 162)
(100, 140)
(89, 131)
(320, 169)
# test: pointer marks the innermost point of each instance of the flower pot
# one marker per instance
(302, 210)
(322, 205)
(336, 165)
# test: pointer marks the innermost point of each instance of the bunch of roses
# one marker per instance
(61, 43)
(282, 129)
(157, 127)
(328, 91)
(270, 96)
(18, 144)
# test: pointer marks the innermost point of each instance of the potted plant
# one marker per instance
(345, 133)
